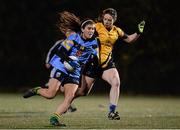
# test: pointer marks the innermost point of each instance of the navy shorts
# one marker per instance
(63, 77)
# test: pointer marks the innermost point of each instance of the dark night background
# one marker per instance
(149, 66)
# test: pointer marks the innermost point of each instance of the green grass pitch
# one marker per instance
(137, 112)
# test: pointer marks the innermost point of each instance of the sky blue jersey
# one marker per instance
(75, 45)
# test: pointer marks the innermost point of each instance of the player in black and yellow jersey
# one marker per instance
(108, 34)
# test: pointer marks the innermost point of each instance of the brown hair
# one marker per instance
(109, 11)
(68, 21)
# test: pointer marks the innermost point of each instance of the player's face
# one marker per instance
(88, 31)
(108, 21)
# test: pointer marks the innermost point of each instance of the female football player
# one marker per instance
(68, 62)
(108, 34)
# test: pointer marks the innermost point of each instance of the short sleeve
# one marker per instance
(68, 43)
(120, 32)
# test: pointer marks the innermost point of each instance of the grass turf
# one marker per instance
(137, 112)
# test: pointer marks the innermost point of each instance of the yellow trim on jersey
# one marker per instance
(97, 50)
(68, 44)
(107, 40)
(103, 65)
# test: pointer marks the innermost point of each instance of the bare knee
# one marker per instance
(52, 89)
(50, 94)
(82, 92)
(115, 83)
(112, 77)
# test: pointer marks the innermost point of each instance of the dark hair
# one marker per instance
(86, 22)
(68, 21)
(109, 11)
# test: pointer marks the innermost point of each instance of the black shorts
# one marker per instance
(57, 74)
(110, 64)
(63, 78)
(70, 80)
(95, 71)
(90, 70)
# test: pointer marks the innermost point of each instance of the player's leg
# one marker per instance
(88, 77)
(50, 92)
(86, 86)
(72, 107)
(83, 90)
(87, 81)
(112, 77)
(53, 86)
(69, 93)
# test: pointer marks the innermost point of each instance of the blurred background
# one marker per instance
(149, 66)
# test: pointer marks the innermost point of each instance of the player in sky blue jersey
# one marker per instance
(76, 46)
(81, 45)
(51, 52)
(49, 55)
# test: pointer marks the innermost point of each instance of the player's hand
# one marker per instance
(141, 27)
(47, 65)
